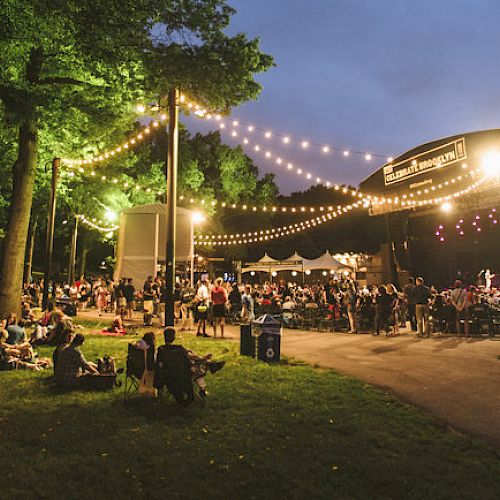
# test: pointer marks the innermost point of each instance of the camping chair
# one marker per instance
(481, 319)
(136, 363)
(174, 371)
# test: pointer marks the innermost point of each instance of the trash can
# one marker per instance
(247, 341)
(268, 333)
(66, 306)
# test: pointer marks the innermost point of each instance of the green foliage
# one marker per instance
(77, 69)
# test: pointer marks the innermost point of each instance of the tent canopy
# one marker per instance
(142, 238)
(296, 263)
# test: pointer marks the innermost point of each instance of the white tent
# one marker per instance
(142, 238)
(326, 261)
(296, 263)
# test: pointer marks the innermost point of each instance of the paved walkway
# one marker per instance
(456, 380)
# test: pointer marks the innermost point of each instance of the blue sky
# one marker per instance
(374, 75)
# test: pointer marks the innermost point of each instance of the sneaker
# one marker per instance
(215, 366)
(206, 335)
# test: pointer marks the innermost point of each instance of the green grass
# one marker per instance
(286, 431)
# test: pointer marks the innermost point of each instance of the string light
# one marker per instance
(269, 134)
(91, 223)
(133, 141)
(273, 233)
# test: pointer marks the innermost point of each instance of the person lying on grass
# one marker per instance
(72, 369)
(197, 361)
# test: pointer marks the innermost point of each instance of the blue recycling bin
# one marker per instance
(268, 333)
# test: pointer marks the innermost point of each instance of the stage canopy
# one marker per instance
(297, 263)
(141, 246)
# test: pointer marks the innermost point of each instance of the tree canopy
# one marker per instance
(73, 71)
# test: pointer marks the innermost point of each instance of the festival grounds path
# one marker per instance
(456, 380)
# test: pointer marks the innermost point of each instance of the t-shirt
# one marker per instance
(16, 334)
(219, 295)
(129, 292)
(421, 294)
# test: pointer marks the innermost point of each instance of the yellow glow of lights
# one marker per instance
(490, 164)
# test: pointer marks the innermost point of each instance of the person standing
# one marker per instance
(218, 296)
(422, 296)
(102, 297)
(187, 297)
(202, 300)
(458, 299)
(129, 293)
(408, 291)
(383, 310)
(247, 305)
(148, 298)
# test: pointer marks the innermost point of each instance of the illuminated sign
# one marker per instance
(439, 157)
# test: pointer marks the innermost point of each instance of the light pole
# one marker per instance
(49, 243)
(72, 253)
(171, 174)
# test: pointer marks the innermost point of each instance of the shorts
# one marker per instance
(148, 306)
(219, 310)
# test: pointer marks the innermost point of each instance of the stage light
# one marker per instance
(294, 273)
(446, 206)
(274, 274)
(491, 164)
(308, 272)
(252, 273)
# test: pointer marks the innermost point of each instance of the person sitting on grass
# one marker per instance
(116, 326)
(197, 361)
(73, 370)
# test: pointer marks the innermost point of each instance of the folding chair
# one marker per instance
(136, 363)
(175, 371)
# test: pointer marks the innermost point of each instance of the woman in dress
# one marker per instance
(102, 298)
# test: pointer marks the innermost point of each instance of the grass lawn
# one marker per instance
(286, 431)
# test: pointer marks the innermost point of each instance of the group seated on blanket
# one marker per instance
(73, 371)
(15, 349)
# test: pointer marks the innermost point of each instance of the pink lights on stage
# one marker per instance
(478, 225)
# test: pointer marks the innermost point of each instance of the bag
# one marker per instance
(146, 386)
(202, 308)
(106, 365)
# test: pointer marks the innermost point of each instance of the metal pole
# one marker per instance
(29, 264)
(49, 244)
(171, 173)
(72, 253)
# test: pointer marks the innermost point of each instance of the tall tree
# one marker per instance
(73, 70)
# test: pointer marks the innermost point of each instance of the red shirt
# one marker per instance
(218, 295)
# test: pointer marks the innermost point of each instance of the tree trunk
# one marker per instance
(24, 171)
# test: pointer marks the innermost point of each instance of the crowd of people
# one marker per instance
(340, 304)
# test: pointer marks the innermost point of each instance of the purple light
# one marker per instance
(437, 233)
(478, 229)
(458, 226)
(441, 239)
(461, 221)
(440, 226)
(477, 217)
(461, 233)
(493, 209)
(495, 221)
(474, 223)
(490, 216)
